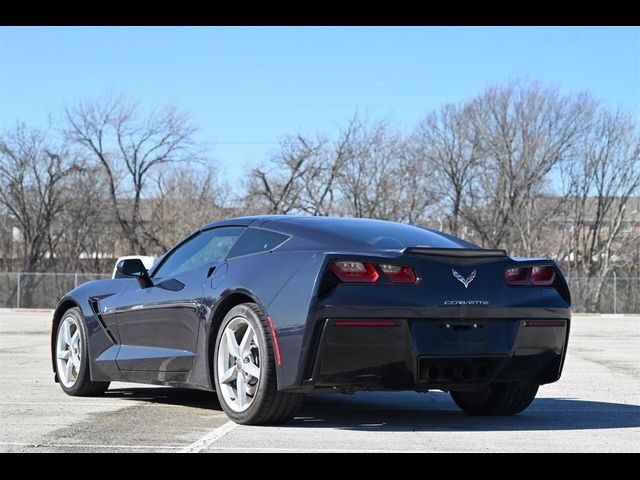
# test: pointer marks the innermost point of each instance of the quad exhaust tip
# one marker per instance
(456, 372)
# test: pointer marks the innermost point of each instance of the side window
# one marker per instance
(255, 240)
(202, 249)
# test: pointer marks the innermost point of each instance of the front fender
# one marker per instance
(92, 298)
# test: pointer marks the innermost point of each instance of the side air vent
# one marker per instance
(93, 302)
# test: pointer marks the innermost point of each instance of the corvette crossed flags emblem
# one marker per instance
(464, 281)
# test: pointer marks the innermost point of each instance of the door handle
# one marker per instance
(211, 270)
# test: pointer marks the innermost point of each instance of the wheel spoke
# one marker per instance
(67, 370)
(246, 341)
(62, 372)
(76, 362)
(252, 370)
(63, 355)
(75, 338)
(241, 387)
(66, 331)
(232, 344)
(229, 375)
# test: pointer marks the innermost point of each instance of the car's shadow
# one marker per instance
(408, 411)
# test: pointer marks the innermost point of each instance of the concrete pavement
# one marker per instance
(595, 407)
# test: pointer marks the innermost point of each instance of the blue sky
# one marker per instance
(256, 84)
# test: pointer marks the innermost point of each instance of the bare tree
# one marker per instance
(383, 175)
(365, 181)
(130, 149)
(33, 175)
(419, 197)
(6, 239)
(320, 180)
(523, 132)
(450, 146)
(179, 186)
(600, 179)
(33, 184)
(368, 170)
(292, 173)
(89, 235)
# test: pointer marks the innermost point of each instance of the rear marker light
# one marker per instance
(276, 345)
(398, 273)
(349, 323)
(543, 323)
(354, 272)
(542, 276)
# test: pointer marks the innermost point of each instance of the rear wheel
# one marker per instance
(244, 369)
(500, 399)
(72, 357)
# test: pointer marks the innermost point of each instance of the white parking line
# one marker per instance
(210, 438)
(124, 403)
(318, 450)
(62, 403)
(85, 445)
(219, 449)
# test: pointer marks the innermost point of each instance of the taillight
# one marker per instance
(354, 272)
(516, 276)
(398, 273)
(542, 276)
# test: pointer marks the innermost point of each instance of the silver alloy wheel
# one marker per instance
(68, 351)
(238, 364)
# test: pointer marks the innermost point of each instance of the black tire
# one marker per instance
(83, 386)
(500, 399)
(269, 406)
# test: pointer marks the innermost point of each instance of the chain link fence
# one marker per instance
(39, 290)
(616, 295)
(42, 290)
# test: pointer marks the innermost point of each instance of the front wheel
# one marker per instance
(244, 369)
(72, 357)
(499, 399)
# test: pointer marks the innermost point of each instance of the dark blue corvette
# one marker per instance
(267, 309)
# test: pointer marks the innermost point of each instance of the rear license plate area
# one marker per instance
(462, 333)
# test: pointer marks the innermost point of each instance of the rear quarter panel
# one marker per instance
(283, 284)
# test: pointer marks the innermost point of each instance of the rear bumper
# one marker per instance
(445, 354)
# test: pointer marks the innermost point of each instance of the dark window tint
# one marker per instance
(256, 240)
(382, 234)
(203, 249)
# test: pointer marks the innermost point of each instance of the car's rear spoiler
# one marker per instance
(456, 252)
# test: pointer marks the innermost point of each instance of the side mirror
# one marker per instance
(133, 267)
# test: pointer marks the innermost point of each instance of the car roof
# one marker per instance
(257, 220)
(244, 221)
(293, 224)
